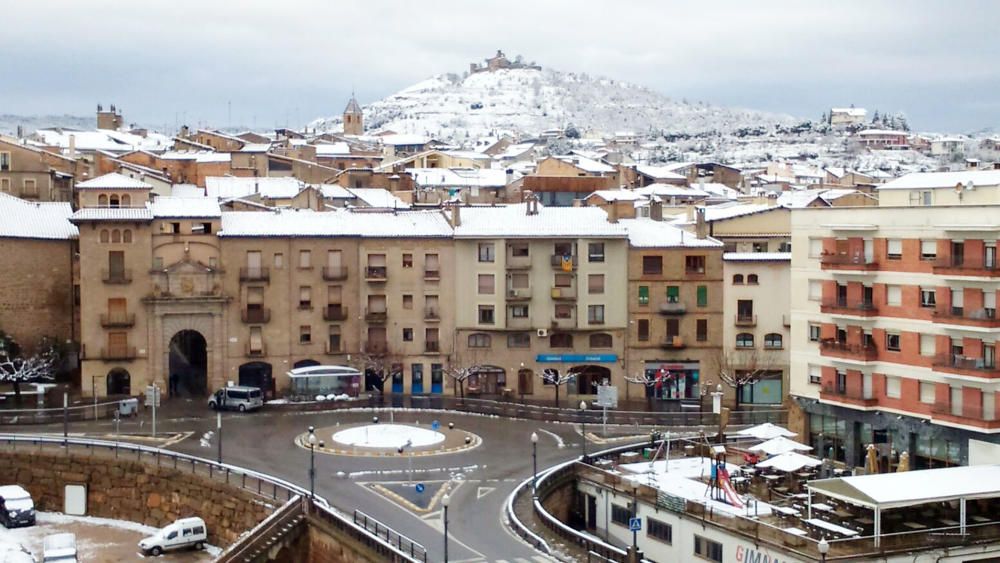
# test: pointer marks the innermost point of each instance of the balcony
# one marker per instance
(844, 307)
(260, 274)
(118, 353)
(256, 316)
(334, 312)
(519, 322)
(333, 348)
(519, 294)
(960, 266)
(376, 273)
(673, 308)
(116, 276)
(564, 322)
(860, 352)
(831, 392)
(432, 274)
(334, 273)
(854, 262)
(378, 348)
(564, 293)
(557, 261)
(432, 314)
(673, 342)
(965, 365)
(984, 318)
(117, 320)
(376, 316)
(518, 262)
(432, 347)
(252, 351)
(745, 320)
(970, 415)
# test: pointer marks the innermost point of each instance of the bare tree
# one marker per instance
(461, 369)
(742, 367)
(552, 376)
(17, 369)
(381, 366)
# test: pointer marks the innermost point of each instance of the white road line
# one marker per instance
(558, 439)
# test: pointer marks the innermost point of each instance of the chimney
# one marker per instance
(20, 131)
(510, 175)
(690, 212)
(656, 209)
(700, 226)
(613, 212)
(531, 203)
(72, 147)
(456, 215)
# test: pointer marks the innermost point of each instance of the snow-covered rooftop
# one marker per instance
(757, 256)
(670, 190)
(459, 177)
(187, 190)
(587, 164)
(333, 149)
(618, 195)
(102, 140)
(660, 172)
(256, 147)
(335, 191)
(308, 223)
(647, 233)
(887, 490)
(274, 187)
(686, 478)
(514, 222)
(404, 139)
(928, 180)
(25, 219)
(198, 156)
(113, 214)
(186, 207)
(114, 181)
(379, 198)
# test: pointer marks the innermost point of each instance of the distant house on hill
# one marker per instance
(500, 61)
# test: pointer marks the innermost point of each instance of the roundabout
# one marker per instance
(389, 440)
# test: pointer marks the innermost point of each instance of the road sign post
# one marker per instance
(635, 524)
(153, 398)
(607, 397)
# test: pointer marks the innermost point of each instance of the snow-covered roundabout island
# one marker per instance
(389, 439)
(388, 436)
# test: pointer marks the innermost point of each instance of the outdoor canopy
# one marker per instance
(766, 431)
(779, 445)
(789, 462)
(896, 490)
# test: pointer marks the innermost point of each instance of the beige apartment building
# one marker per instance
(33, 174)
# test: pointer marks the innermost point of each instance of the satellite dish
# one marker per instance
(970, 185)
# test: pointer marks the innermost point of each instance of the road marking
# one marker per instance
(558, 439)
(483, 491)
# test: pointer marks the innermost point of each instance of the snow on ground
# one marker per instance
(387, 436)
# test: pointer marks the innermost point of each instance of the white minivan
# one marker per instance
(186, 532)
(237, 398)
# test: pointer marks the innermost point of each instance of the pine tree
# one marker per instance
(875, 118)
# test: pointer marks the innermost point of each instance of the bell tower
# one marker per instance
(353, 118)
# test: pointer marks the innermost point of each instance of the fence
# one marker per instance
(75, 413)
(401, 542)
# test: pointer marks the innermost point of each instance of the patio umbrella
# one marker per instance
(779, 445)
(790, 462)
(904, 462)
(871, 460)
(766, 431)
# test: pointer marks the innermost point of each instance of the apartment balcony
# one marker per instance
(968, 415)
(673, 308)
(116, 276)
(334, 273)
(557, 261)
(335, 312)
(376, 348)
(432, 347)
(564, 293)
(965, 365)
(850, 262)
(519, 294)
(118, 320)
(831, 392)
(846, 307)
(252, 351)
(745, 320)
(673, 342)
(256, 316)
(432, 275)
(376, 273)
(261, 274)
(860, 352)
(118, 353)
(432, 314)
(376, 316)
(520, 322)
(518, 262)
(954, 266)
(333, 348)
(564, 323)
(984, 318)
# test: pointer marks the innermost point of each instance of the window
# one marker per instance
(407, 335)
(519, 249)
(752, 279)
(652, 265)
(644, 295)
(595, 314)
(479, 340)
(659, 530)
(893, 295)
(928, 298)
(519, 340)
(116, 236)
(113, 201)
(102, 201)
(814, 332)
(487, 252)
(564, 280)
(519, 311)
(772, 340)
(928, 346)
(105, 237)
(815, 290)
(486, 316)
(926, 198)
(595, 252)
(305, 334)
(701, 333)
(5, 185)
(894, 249)
(737, 279)
(815, 247)
(127, 235)
(256, 339)
(760, 246)
(595, 284)
(561, 340)
(333, 339)
(707, 549)
(815, 374)
(673, 294)
(620, 514)
(407, 301)
(892, 341)
(564, 311)
(673, 328)
(892, 387)
(487, 284)
(744, 340)
(4, 161)
(279, 260)
(642, 330)
(305, 297)
(703, 296)
(927, 392)
(600, 340)
(928, 249)
(432, 266)
(305, 259)
(407, 260)
(694, 264)
(519, 281)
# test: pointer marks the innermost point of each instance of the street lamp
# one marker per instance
(824, 547)
(445, 501)
(534, 464)
(312, 462)
(583, 427)
(635, 514)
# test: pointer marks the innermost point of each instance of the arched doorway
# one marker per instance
(588, 377)
(305, 364)
(525, 382)
(119, 382)
(258, 374)
(487, 380)
(188, 364)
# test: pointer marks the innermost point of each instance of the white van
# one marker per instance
(186, 532)
(59, 548)
(237, 398)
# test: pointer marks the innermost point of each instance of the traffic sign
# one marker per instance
(634, 524)
(435, 425)
(607, 396)
(420, 487)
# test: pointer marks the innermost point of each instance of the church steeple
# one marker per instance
(353, 118)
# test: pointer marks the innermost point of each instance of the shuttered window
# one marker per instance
(486, 284)
(595, 284)
(894, 295)
(928, 249)
(703, 296)
(894, 248)
(643, 295)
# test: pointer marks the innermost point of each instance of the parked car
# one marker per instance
(183, 533)
(16, 507)
(237, 398)
(59, 548)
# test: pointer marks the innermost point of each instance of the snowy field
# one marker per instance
(387, 436)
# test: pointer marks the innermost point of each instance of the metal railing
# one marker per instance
(75, 413)
(264, 534)
(401, 542)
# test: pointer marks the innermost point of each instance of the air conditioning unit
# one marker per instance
(556, 293)
(512, 293)
(542, 333)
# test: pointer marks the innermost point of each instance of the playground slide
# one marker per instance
(727, 487)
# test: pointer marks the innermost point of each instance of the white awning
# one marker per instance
(910, 488)
(779, 445)
(789, 462)
(766, 431)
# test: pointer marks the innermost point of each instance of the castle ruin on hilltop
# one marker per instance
(500, 61)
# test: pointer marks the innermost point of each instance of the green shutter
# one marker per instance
(703, 296)
(673, 294)
(644, 295)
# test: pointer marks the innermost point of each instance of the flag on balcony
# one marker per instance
(567, 263)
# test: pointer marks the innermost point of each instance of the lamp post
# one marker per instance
(583, 427)
(534, 464)
(635, 514)
(218, 432)
(312, 462)
(824, 548)
(445, 501)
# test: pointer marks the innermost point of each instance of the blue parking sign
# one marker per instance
(634, 524)
(420, 487)
(435, 425)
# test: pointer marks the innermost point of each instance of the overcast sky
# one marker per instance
(275, 61)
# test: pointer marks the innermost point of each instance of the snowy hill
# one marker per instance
(9, 123)
(450, 107)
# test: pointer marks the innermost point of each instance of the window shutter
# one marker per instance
(643, 294)
(927, 345)
(894, 295)
(895, 246)
(928, 247)
(702, 295)
(989, 299)
(957, 298)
